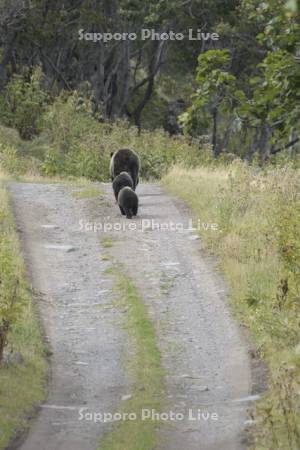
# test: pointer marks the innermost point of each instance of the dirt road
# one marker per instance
(208, 377)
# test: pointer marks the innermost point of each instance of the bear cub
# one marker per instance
(128, 202)
(121, 180)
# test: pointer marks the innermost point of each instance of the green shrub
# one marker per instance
(14, 164)
(72, 142)
(10, 277)
(54, 163)
(10, 160)
(23, 102)
(79, 145)
(10, 136)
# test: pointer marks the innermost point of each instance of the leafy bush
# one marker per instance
(23, 102)
(15, 164)
(10, 160)
(10, 136)
(53, 163)
(80, 146)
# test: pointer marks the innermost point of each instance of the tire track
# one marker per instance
(78, 317)
(203, 352)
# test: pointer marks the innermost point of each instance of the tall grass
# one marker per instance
(22, 378)
(258, 243)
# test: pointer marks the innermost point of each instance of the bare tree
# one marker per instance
(12, 14)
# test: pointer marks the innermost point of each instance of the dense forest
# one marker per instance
(223, 72)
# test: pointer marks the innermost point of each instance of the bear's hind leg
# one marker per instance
(122, 211)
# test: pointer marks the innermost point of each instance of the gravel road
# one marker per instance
(205, 356)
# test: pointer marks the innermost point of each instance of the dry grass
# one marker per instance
(258, 244)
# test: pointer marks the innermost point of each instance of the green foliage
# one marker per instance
(14, 163)
(74, 138)
(216, 92)
(261, 92)
(73, 143)
(23, 102)
(216, 86)
(53, 163)
(84, 163)
(80, 146)
(214, 62)
(9, 137)
(22, 385)
(281, 25)
(10, 300)
(276, 86)
(276, 95)
(10, 277)
(10, 160)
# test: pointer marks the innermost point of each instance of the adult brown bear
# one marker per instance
(125, 160)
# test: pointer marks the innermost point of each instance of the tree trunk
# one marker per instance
(227, 135)
(7, 53)
(254, 146)
(264, 149)
(216, 151)
(138, 111)
(155, 64)
(3, 337)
